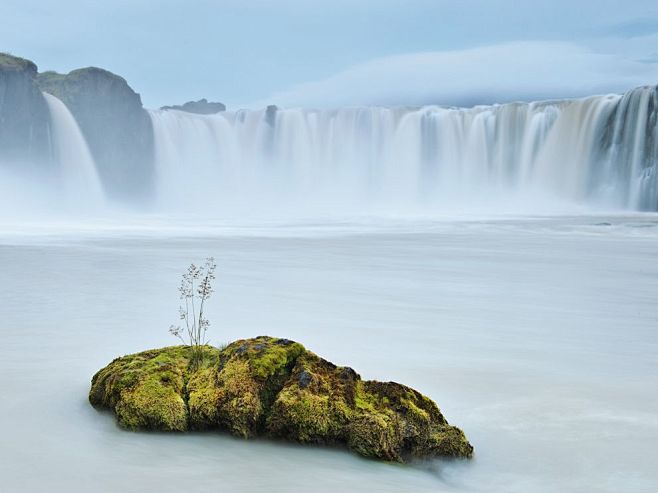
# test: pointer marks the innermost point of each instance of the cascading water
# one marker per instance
(77, 168)
(601, 150)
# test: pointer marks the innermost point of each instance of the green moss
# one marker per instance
(249, 376)
(375, 435)
(154, 404)
(203, 398)
(266, 356)
(274, 387)
(147, 390)
(449, 441)
(274, 359)
(364, 401)
(238, 403)
(317, 403)
(301, 416)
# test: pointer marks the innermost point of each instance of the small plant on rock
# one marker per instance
(195, 289)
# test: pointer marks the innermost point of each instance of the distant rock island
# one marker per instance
(201, 107)
(276, 388)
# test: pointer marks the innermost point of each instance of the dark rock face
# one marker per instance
(24, 115)
(117, 128)
(305, 379)
(275, 387)
(270, 114)
(201, 107)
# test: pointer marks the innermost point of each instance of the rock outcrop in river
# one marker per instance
(276, 388)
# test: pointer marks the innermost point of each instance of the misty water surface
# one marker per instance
(536, 336)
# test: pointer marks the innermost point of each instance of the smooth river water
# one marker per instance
(537, 336)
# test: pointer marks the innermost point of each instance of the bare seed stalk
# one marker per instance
(197, 327)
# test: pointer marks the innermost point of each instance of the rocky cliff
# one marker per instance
(117, 128)
(24, 116)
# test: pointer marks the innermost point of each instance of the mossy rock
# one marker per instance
(274, 387)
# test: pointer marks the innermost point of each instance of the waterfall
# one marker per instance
(601, 150)
(77, 168)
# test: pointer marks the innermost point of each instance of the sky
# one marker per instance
(332, 53)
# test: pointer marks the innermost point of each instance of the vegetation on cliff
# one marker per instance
(274, 387)
(8, 62)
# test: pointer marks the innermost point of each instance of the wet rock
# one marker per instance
(304, 379)
(347, 373)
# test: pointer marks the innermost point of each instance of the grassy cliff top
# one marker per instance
(91, 84)
(80, 73)
(11, 62)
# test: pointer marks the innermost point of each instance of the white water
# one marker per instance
(78, 173)
(537, 337)
(600, 151)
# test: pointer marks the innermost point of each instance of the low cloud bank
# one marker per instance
(518, 71)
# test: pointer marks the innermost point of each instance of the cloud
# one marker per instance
(632, 28)
(517, 71)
